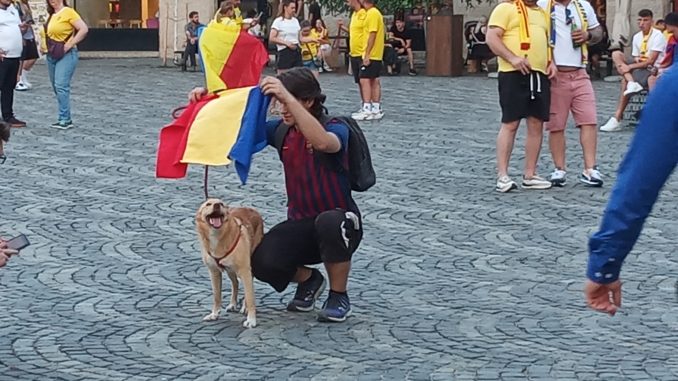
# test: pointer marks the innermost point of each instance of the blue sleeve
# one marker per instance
(271, 125)
(341, 130)
(647, 165)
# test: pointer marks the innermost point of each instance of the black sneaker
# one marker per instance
(336, 308)
(307, 293)
(413, 72)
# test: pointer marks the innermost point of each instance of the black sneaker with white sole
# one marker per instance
(307, 293)
(592, 177)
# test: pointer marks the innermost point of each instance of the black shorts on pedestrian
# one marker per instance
(289, 58)
(30, 51)
(371, 71)
(356, 63)
(330, 237)
(522, 96)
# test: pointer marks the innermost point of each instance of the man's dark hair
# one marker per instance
(305, 24)
(301, 83)
(5, 129)
(671, 19)
(645, 13)
(193, 13)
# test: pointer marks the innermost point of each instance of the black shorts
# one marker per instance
(288, 59)
(522, 96)
(30, 51)
(356, 63)
(371, 71)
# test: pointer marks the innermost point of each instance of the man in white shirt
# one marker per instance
(11, 46)
(574, 26)
(648, 52)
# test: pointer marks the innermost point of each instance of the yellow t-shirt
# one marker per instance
(357, 33)
(309, 50)
(237, 15)
(506, 17)
(60, 27)
(374, 23)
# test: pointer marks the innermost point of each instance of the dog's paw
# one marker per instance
(250, 323)
(211, 317)
(231, 307)
(243, 309)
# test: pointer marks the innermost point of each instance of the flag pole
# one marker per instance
(205, 183)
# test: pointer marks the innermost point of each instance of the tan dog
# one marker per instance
(228, 237)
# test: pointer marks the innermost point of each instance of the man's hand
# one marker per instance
(272, 86)
(366, 61)
(68, 46)
(552, 70)
(623, 68)
(196, 94)
(23, 27)
(580, 36)
(291, 46)
(605, 298)
(521, 64)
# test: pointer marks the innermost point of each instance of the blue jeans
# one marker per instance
(60, 74)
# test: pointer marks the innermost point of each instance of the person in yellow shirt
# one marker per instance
(518, 34)
(310, 48)
(356, 40)
(374, 37)
(63, 31)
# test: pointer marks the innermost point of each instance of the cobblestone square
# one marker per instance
(453, 281)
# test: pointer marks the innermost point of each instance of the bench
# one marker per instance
(633, 110)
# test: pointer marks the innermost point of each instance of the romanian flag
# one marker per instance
(220, 128)
(232, 58)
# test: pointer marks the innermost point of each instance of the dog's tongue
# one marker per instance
(215, 222)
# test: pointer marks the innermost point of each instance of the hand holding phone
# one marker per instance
(17, 243)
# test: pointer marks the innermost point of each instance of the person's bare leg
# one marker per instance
(651, 82)
(302, 275)
(557, 147)
(535, 128)
(376, 90)
(505, 140)
(410, 58)
(620, 59)
(338, 274)
(623, 102)
(588, 137)
(366, 90)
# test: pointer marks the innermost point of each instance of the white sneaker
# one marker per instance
(632, 88)
(611, 125)
(558, 178)
(21, 87)
(376, 114)
(361, 115)
(327, 68)
(535, 182)
(505, 184)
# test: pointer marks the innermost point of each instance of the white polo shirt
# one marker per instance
(656, 43)
(288, 30)
(10, 34)
(564, 53)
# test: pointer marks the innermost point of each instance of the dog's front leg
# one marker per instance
(248, 285)
(215, 276)
(233, 306)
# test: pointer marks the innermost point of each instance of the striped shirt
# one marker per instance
(313, 186)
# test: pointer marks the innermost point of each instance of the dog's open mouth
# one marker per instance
(215, 220)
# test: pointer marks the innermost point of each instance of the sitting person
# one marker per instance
(310, 48)
(671, 53)
(597, 50)
(648, 51)
(323, 221)
(400, 39)
(479, 53)
(322, 34)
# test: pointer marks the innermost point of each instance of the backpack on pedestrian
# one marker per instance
(361, 173)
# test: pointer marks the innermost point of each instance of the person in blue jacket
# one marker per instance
(652, 156)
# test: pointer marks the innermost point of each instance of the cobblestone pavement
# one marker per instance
(452, 282)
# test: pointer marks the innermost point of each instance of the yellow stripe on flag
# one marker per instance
(216, 45)
(215, 129)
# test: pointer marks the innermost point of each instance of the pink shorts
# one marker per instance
(572, 91)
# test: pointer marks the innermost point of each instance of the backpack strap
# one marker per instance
(279, 137)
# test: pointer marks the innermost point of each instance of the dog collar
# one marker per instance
(235, 244)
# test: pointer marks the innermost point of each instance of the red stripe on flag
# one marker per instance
(245, 63)
(172, 142)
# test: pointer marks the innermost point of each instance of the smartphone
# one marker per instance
(259, 16)
(17, 243)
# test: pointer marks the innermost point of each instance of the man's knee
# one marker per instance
(337, 235)
(618, 55)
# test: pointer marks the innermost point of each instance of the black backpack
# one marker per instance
(361, 174)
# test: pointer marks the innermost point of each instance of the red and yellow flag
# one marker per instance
(232, 57)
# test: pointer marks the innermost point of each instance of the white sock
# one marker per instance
(376, 106)
(367, 107)
(23, 76)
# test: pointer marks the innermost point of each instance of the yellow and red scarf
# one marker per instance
(525, 40)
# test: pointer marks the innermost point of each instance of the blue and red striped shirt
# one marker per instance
(313, 186)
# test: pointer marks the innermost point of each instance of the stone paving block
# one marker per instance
(452, 281)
